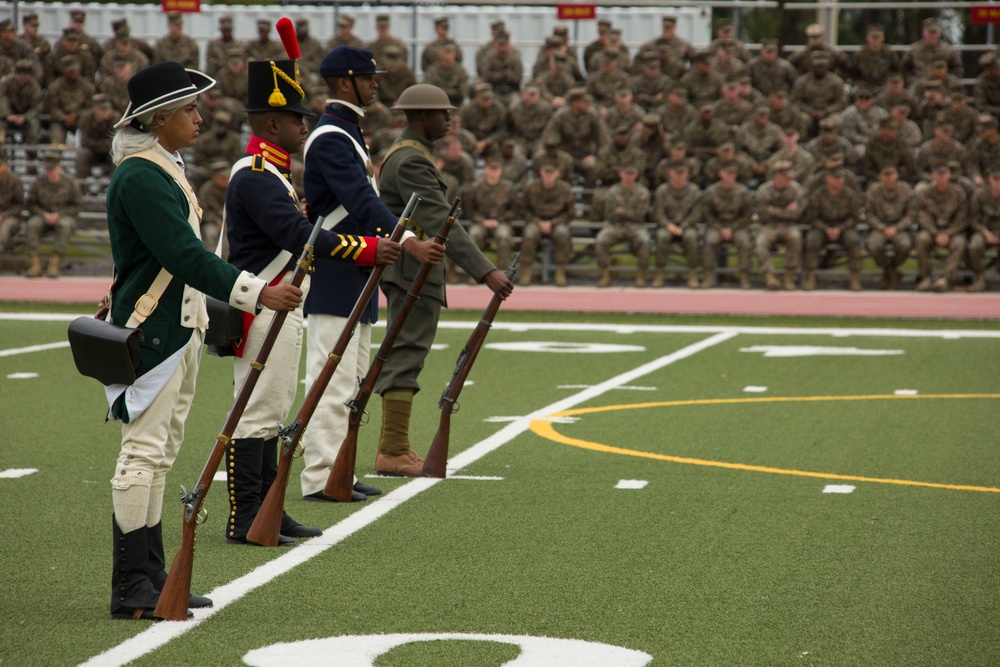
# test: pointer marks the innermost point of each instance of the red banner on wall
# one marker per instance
(985, 13)
(576, 12)
(187, 6)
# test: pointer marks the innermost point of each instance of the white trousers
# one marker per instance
(272, 397)
(328, 426)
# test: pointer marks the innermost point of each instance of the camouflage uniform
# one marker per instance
(560, 159)
(860, 127)
(630, 116)
(824, 96)
(554, 85)
(767, 77)
(463, 169)
(677, 207)
(650, 92)
(11, 205)
(88, 66)
(44, 196)
(217, 54)
(430, 53)
(611, 158)
(554, 205)
(802, 60)
(453, 80)
(886, 208)
(212, 200)
(269, 49)
(702, 89)
(106, 68)
(526, 124)
(579, 136)
(964, 120)
(217, 144)
(817, 180)
(232, 84)
(739, 161)
(378, 47)
(886, 100)
(516, 168)
(733, 113)
(485, 124)
(759, 143)
(986, 93)
(803, 163)
(183, 50)
(64, 100)
(870, 68)
(879, 154)
(504, 74)
(625, 212)
(704, 140)
(483, 201)
(941, 213)
(116, 90)
(790, 116)
(719, 209)
(675, 119)
(21, 99)
(983, 157)
(918, 58)
(602, 86)
(779, 224)
(826, 211)
(95, 143)
(825, 145)
(394, 82)
(931, 154)
(985, 217)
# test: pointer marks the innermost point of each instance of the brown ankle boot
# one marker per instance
(854, 282)
(605, 280)
(810, 281)
(53, 268)
(660, 278)
(640, 278)
(35, 270)
(979, 284)
(693, 278)
(561, 276)
(770, 281)
(790, 281)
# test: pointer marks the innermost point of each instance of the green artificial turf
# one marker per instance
(703, 566)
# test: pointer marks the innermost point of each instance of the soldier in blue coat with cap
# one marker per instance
(340, 187)
(266, 231)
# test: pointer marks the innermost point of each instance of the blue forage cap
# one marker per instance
(348, 61)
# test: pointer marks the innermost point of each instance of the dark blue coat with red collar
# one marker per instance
(337, 175)
(263, 218)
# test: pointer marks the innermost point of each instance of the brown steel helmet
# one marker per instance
(423, 96)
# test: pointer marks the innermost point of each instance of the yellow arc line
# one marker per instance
(546, 429)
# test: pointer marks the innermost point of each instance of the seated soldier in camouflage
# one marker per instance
(547, 206)
(54, 203)
(889, 214)
(11, 202)
(726, 210)
(833, 212)
(759, 138)
(65, 98)
(985, 233)
(984, 151)
(96, 128)
(625, 208)
(780, 204)
(212, 199)
(888, 149)
(21, 103)
(484, 116)
(675, 211)
(490, 203)
(942, 220)
(727, 155)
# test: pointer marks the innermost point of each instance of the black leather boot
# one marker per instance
(243, 477)
(157, 562)
(132, 593)
(268, 471)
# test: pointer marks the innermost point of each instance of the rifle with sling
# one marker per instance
(266, 525)
(437, 455)
(341, 480)
(173, 602)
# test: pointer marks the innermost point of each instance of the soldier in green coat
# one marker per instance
(407, 168)
(153, 220)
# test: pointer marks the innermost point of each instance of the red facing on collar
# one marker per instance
(271, 152)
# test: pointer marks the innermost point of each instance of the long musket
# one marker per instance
(437, 455)
(341, 480)
(173, 601)
(266, 525)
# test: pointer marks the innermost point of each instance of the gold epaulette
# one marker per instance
(257, 163)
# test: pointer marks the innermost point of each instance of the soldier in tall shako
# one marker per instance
(266, 230)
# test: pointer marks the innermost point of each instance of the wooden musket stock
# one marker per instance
(266, 525)
(340, 483)
(173, 601)
(437, 456)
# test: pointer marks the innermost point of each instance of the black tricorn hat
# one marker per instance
(273, 85)
(160, 85)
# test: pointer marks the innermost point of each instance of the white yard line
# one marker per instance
(162, 633)
(14, 351)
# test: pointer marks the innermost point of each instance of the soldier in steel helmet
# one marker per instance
(408, 167)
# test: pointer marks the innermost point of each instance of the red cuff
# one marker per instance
(367, 255)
